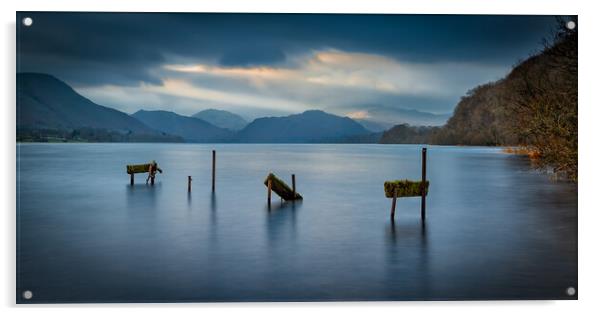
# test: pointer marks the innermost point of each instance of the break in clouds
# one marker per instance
(363, 66)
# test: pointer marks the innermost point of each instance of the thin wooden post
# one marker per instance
(423, 202)
(189, 181)
(393, 204)
(132, 179)
(152, 180)
(294, 186)
(213, 174)
(269, 192)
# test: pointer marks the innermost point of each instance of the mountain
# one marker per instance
(189, 128)
(407, 134)
(44, 101)
(47, 105)
(410, 116)
(312, 126)
(373, 126)
(221, 118)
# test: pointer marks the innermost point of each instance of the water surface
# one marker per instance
(494, 229)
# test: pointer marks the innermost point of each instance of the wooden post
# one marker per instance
(423, 202)
(189, 180)
(294, 186)
(152, 180)
(132, 179)
(269, 192)
(393, 204)
(213, 174)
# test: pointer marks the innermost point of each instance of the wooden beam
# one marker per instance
(423, 197)
(393, 205)
(269, 192)
(213, 174)
(294, 185)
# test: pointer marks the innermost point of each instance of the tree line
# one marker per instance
(534, 108)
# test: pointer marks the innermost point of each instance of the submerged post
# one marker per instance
(393, 204)
(132, 179)
(294, 185)
(269, 192)
(213, 174)
(189, 180)
(423, 186)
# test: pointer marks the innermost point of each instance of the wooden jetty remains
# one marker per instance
(409, 188)
(142, 168)
(273, 183)
(213, 173)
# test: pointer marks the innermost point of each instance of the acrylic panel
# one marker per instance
(215, 157)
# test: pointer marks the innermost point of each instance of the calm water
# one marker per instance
(494, 228)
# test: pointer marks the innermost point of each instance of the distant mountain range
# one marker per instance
(384, 118)
(191, 129)
(50, 110)
(419, 118)
(221, 118)
(312, 126)
(373, 126)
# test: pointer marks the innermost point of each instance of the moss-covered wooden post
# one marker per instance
(423, 186)
(393, 204)
(213, 174)
(189, 181)
(269, 192)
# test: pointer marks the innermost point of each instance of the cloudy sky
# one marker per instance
(362, 66)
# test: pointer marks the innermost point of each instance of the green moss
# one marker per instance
(138, 168)
(404, 188)
(281, 188)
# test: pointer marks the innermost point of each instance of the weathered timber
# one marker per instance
(142, 168)
(393, 204)
(281, 188)
(405, 188)
(269, 192)
(294, 184)
(424, 186)
(213, 173)
(189, 181)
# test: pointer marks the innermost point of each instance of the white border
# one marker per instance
(590, 116)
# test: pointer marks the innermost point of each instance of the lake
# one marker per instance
(495, 229)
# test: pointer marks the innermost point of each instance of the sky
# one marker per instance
(373, 67)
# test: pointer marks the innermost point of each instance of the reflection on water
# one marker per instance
(281, 222)
(408, 258)
(494, 228)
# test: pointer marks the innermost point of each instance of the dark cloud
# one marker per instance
(127, 45)
(449, 53)
(254, 56)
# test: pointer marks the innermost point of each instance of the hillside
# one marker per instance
(50, 110)
(221, 118)
(406, 134)
(189, 128)
(308, 127)
(45, 102)
(534, 107)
